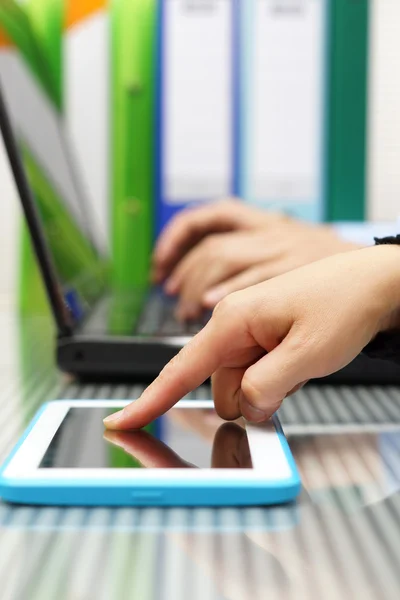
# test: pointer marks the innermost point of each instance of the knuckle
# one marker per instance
(228, 306)
(172, 364)
(186, 219)
(250, 388)
(211, 247)
(212, 242)
(181, 218)
(259, 397)
(168, 373)
(300, 343)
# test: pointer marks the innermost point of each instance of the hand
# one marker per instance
(190, 226)
(227, 262)
(264, 342)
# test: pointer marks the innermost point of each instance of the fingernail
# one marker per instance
(212, 297)
(112, 420)
(251, 413)
(112, 437)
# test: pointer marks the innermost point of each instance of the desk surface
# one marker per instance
(341, 540)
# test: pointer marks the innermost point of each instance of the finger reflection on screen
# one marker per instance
(230, 449)
(204, 421)
(148, 450)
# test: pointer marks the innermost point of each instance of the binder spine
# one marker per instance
(347, 109)
(165, 208)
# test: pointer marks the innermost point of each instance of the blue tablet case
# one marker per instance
(128, 492)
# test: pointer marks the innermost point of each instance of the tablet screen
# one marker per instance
(184, 438)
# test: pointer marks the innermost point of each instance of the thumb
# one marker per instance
(277, 374)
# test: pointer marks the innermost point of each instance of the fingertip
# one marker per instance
(113, 422)
(171, 287)
(158, 265)
(188, 311)
(111, 436)
(131, 417)
(157, 258)
(162, 260)
(160, 246)
(179, 316)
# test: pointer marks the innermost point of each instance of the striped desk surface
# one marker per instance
(341, 540)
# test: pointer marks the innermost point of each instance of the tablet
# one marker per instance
(188, 457)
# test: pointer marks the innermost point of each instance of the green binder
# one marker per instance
(132, 163)
(347, 69)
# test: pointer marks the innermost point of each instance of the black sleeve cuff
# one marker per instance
(385, 346)
(390, 239)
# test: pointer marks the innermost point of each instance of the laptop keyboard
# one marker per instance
(158, 318)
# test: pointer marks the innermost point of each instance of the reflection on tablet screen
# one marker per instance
(184, 438)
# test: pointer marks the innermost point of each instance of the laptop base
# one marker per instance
(129, 359)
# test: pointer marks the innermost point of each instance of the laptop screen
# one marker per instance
(73, 240)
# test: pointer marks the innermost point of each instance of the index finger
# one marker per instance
(195, 363)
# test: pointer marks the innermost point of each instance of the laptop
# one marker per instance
(101, 334)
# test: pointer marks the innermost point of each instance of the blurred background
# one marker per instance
(290, 104)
